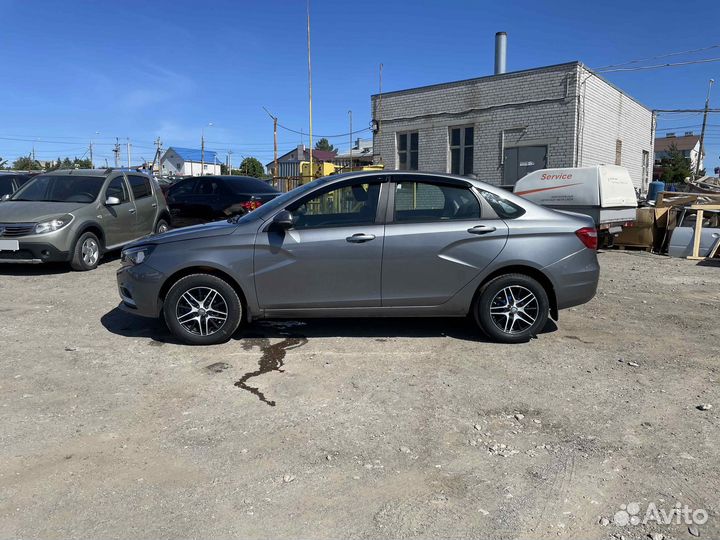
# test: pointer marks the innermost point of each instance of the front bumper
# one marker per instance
(34, 253)
(139, 288)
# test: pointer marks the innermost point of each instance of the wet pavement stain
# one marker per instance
(272, 359)
(217, 367)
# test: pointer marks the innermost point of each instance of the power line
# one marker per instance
(325, 136)
(691, 51)
(658, 66)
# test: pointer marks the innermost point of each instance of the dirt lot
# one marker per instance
(390, 429)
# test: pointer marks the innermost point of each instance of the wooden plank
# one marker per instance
(698, 232)
(704, 207)
(714, 249)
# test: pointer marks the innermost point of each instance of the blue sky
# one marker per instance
(140, 70)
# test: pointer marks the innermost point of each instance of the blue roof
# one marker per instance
(191, 154)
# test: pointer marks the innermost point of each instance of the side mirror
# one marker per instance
(5, 197)
(112, 201)
(283, 220)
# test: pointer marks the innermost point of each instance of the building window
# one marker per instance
(407, 150)
(461, 150)
(618, 152)
(645, 166)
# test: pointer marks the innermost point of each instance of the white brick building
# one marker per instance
(501, 127)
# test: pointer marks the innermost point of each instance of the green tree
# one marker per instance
(675, 167)
(324, 144)
(3, 162)
(252, 167)
(26, 163)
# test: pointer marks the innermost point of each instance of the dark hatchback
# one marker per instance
(203, 199)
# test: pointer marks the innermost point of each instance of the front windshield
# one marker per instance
(278, 202)
(60, 188)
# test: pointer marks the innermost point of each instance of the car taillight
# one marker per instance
(251, 205)
(588, 236)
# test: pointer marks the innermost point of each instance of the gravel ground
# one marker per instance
(360, 428)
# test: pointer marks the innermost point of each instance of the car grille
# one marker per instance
(11, 230)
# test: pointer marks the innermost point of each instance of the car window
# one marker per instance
(425, 201)
(503, 208)
(208, 186)
(140, 186)
(6, 185)
(117, 188)
(340, 207)
(183, 187)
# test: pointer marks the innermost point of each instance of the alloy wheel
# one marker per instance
(90, 251)
(514, 309)
(201, 311)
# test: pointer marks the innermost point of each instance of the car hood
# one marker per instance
(216, 228)
(34, 211)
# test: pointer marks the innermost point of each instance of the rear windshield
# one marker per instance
(60, 188)
(249, 185)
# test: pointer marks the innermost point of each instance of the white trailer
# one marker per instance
(603, 192)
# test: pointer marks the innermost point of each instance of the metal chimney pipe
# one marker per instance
(500, 52)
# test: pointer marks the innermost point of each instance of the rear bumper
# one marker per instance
(575, 278)
(34, 253)
(139, 289)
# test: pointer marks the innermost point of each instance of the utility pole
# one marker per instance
(351, 140)
(128, 151)
(312, 175)
(116, 151)
(702, 132)
(230, 153)
(158, 155)
(202, 152)
(275, 145)
(91, 155)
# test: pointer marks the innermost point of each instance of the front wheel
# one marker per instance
(512, 308)
(202, 309)
(86, 253)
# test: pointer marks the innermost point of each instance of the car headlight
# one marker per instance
(53, 224)
(136, 255)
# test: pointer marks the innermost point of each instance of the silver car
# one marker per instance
(77, 215)
(394, 244)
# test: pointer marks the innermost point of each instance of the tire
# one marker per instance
(86, 253)
(512, 308)
(162, 226)
(194, 316)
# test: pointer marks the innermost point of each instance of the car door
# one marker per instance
(179, 199)
(207, 203)
(439, 238)
(145, 204)
(118, 221)
(682, 239)
(331, 257)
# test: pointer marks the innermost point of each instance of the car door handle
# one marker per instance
(481, 229)
(360, 238)
(154, 205)
(132, 210)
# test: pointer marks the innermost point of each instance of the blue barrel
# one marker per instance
(655, 187)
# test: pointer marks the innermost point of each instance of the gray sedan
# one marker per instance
(393, 244)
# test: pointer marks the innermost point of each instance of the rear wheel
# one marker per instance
(512, 308)
(86, 253)
(202, 309)
(162, 226)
